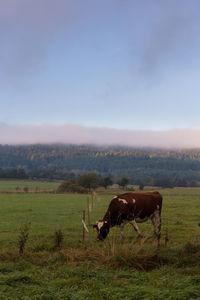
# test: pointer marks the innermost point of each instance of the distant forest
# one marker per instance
(146, 166)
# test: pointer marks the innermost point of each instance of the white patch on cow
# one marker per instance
(133, 200)
(100, 224)
(123, 200)
(158, 207)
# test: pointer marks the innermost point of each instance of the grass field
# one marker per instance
(32, 185)
(133, 269)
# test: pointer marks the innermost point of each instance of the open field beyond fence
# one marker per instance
(30, 185)
(133, 269)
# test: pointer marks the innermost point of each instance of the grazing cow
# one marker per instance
(132, 208)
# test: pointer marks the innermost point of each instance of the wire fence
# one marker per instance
(86, 216)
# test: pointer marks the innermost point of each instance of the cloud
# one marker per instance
(26, 28)
(29, 30)
(171, 34)
(77, 134)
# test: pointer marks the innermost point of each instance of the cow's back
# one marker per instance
(128, 206)
(145, 203)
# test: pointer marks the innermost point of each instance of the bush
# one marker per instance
(130, 188)
(75, 188)
(71, 186)
(23, 237)
(26, 189)
(58, 238)
(141, 186)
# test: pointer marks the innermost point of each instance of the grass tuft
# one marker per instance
(58, 238)
(23, 237)
(191, 248)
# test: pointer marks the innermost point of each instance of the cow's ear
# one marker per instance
(95, 226)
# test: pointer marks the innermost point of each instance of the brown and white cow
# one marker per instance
(131, 208)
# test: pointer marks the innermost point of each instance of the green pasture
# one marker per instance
(32, 185)
(132, 269)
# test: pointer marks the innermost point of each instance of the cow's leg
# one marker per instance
(156, 221)
(135, 226)
(122, 231)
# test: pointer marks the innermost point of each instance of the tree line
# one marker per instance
(89, 182)
(146, 166)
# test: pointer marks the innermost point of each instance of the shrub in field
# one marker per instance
(141, 186)
(130, 188)
(73, 188)
(70, 185)
(191, 248)
(23, 237)
(58, 238)
(26, 189)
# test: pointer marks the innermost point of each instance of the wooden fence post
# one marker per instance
(83, 226)
(93, 197)
(88, 204)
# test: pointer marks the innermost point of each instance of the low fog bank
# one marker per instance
(77, 134)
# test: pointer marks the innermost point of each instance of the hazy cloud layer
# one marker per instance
(77, 134)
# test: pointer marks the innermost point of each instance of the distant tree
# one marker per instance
(105, 182)
(123, 182)
(89, 181)
(141, 186)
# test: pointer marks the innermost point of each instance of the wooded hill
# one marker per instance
(149, 166)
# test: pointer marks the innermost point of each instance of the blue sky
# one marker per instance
(131, 64)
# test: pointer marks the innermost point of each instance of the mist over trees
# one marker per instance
(146, 166)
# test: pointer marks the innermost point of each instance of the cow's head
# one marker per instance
(102, 228)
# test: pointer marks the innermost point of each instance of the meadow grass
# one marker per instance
(32, 185)
(132, 269)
